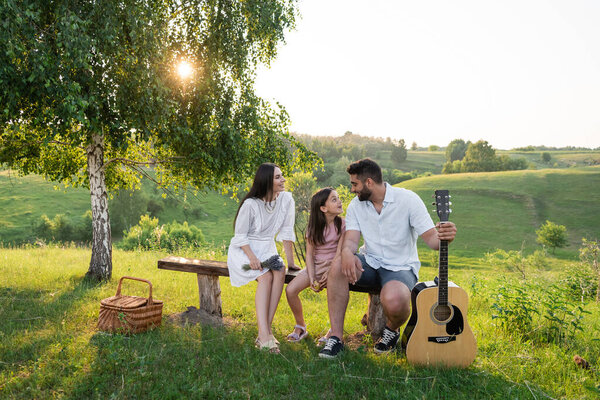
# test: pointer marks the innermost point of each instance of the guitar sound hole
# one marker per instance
(442, 313)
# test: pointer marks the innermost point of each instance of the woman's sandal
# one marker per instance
(294, 337)
(270, 345)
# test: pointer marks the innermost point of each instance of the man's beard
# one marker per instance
(364, 194)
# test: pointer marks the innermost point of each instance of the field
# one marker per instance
(23, 200)
(503, 209)
(49, 347)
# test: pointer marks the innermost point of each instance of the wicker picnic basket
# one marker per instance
(129, 314)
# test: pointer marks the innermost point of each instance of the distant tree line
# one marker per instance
(546, 148)
(337, 152)
(461, 156)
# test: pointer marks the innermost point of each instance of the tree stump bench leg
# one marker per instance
(210, 294)
(374, 319)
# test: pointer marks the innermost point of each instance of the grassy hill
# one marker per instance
(23, 200)
(503, 209)
(492, 210)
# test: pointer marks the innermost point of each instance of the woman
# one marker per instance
(266, 211)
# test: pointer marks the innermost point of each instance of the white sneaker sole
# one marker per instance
(328, 356)
(383, 351)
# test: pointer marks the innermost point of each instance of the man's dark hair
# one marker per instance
(365, 168)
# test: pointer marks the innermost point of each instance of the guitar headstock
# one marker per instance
(442, 203)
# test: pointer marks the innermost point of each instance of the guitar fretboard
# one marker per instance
(443, 274)
(442, 202)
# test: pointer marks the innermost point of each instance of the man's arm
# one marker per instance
(351, 240)
(445, 231)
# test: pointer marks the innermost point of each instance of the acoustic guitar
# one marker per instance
(437, 332)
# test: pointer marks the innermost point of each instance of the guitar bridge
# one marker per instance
(441, 339)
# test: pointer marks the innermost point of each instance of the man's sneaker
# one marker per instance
(388, 341)
(333, 348)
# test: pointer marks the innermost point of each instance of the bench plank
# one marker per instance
(219, 268)
(204, 267)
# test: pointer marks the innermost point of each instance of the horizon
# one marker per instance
(408, 145)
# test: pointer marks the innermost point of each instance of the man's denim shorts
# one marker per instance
(372, 278)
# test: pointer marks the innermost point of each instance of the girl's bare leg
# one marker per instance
(292, 291)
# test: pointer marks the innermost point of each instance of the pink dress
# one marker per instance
(324, 253)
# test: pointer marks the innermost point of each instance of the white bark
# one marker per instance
(101, 261)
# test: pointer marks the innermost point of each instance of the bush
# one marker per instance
(515, 307)
(542, 313)
(394, 176)
(44, 228)
(552, 235)
(179, 236)
(148, 234)
(589, 254)
(563, 318)
(513, 260)
(546, 157)
(452, 167)
(580, 280)
(63, 229)
(145, 235)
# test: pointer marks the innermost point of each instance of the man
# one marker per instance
(390, 220)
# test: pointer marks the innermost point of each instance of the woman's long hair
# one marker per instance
(317, 221)
(262, 185)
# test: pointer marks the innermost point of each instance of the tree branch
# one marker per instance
(129, 162)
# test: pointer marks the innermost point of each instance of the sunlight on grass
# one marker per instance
(50, 346)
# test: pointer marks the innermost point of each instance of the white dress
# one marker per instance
(257, 227)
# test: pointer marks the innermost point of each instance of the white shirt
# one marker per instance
(257, 227)
(390, 238)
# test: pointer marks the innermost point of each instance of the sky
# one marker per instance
(511, 72)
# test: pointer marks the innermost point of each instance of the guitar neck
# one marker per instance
(443, 274)
(442, 201)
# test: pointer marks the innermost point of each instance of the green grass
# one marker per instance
(24, 199)
(503, 209)
(49, 347)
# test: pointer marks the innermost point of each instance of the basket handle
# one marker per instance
(150, 302)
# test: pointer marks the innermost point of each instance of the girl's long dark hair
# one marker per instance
(262, 185)
(316, 220)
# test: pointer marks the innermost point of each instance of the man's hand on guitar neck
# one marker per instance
(442, 231)
(446, 231)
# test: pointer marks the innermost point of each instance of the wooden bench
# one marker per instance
(208, 273)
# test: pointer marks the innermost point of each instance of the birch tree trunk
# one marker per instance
(101, 262)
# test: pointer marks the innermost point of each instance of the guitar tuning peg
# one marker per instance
(433, 204)
(449, 203)
(449, 210)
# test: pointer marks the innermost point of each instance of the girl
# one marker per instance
(324, 237)
(266, 211)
